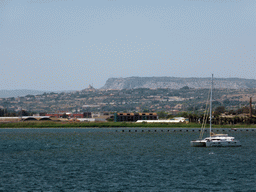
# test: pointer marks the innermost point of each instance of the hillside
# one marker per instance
(177, 83)
(24, 92)
(19, 92)
(140, 99)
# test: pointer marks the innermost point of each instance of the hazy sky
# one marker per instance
(69, 44)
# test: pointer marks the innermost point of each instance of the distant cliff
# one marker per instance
(177, 83)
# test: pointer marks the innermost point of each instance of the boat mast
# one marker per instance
(211, 108)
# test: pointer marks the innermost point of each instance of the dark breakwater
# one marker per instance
(117, 159)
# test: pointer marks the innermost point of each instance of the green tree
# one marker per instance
(183, 114)
(170, 116)
(245, 109)
(64, 115)
(24, 113)
(184, 88)
(162, 115)
(219, 110)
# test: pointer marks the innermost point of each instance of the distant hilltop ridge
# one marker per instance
(19, 92)
(177, 83)
(24, 92)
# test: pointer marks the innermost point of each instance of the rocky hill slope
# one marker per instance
(177, 83)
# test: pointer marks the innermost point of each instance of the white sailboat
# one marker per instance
(215, 140)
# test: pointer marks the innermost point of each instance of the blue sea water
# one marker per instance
(112, 160)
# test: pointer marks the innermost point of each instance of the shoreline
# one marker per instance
(50, 124)
(133, 130)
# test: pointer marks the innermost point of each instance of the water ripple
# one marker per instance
(96, 160)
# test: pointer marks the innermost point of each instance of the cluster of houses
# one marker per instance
(61, 116)
(97, 117)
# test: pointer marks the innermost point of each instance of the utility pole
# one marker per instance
(21, 113)
(250, 108)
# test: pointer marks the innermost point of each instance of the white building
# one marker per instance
(173, 120)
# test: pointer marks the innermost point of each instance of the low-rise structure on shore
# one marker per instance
(134, 116)
(173, 120)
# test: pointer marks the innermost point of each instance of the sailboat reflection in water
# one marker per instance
(215, 140)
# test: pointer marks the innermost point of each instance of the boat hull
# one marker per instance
(213, 143)
(198, 143)
(223, 144)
